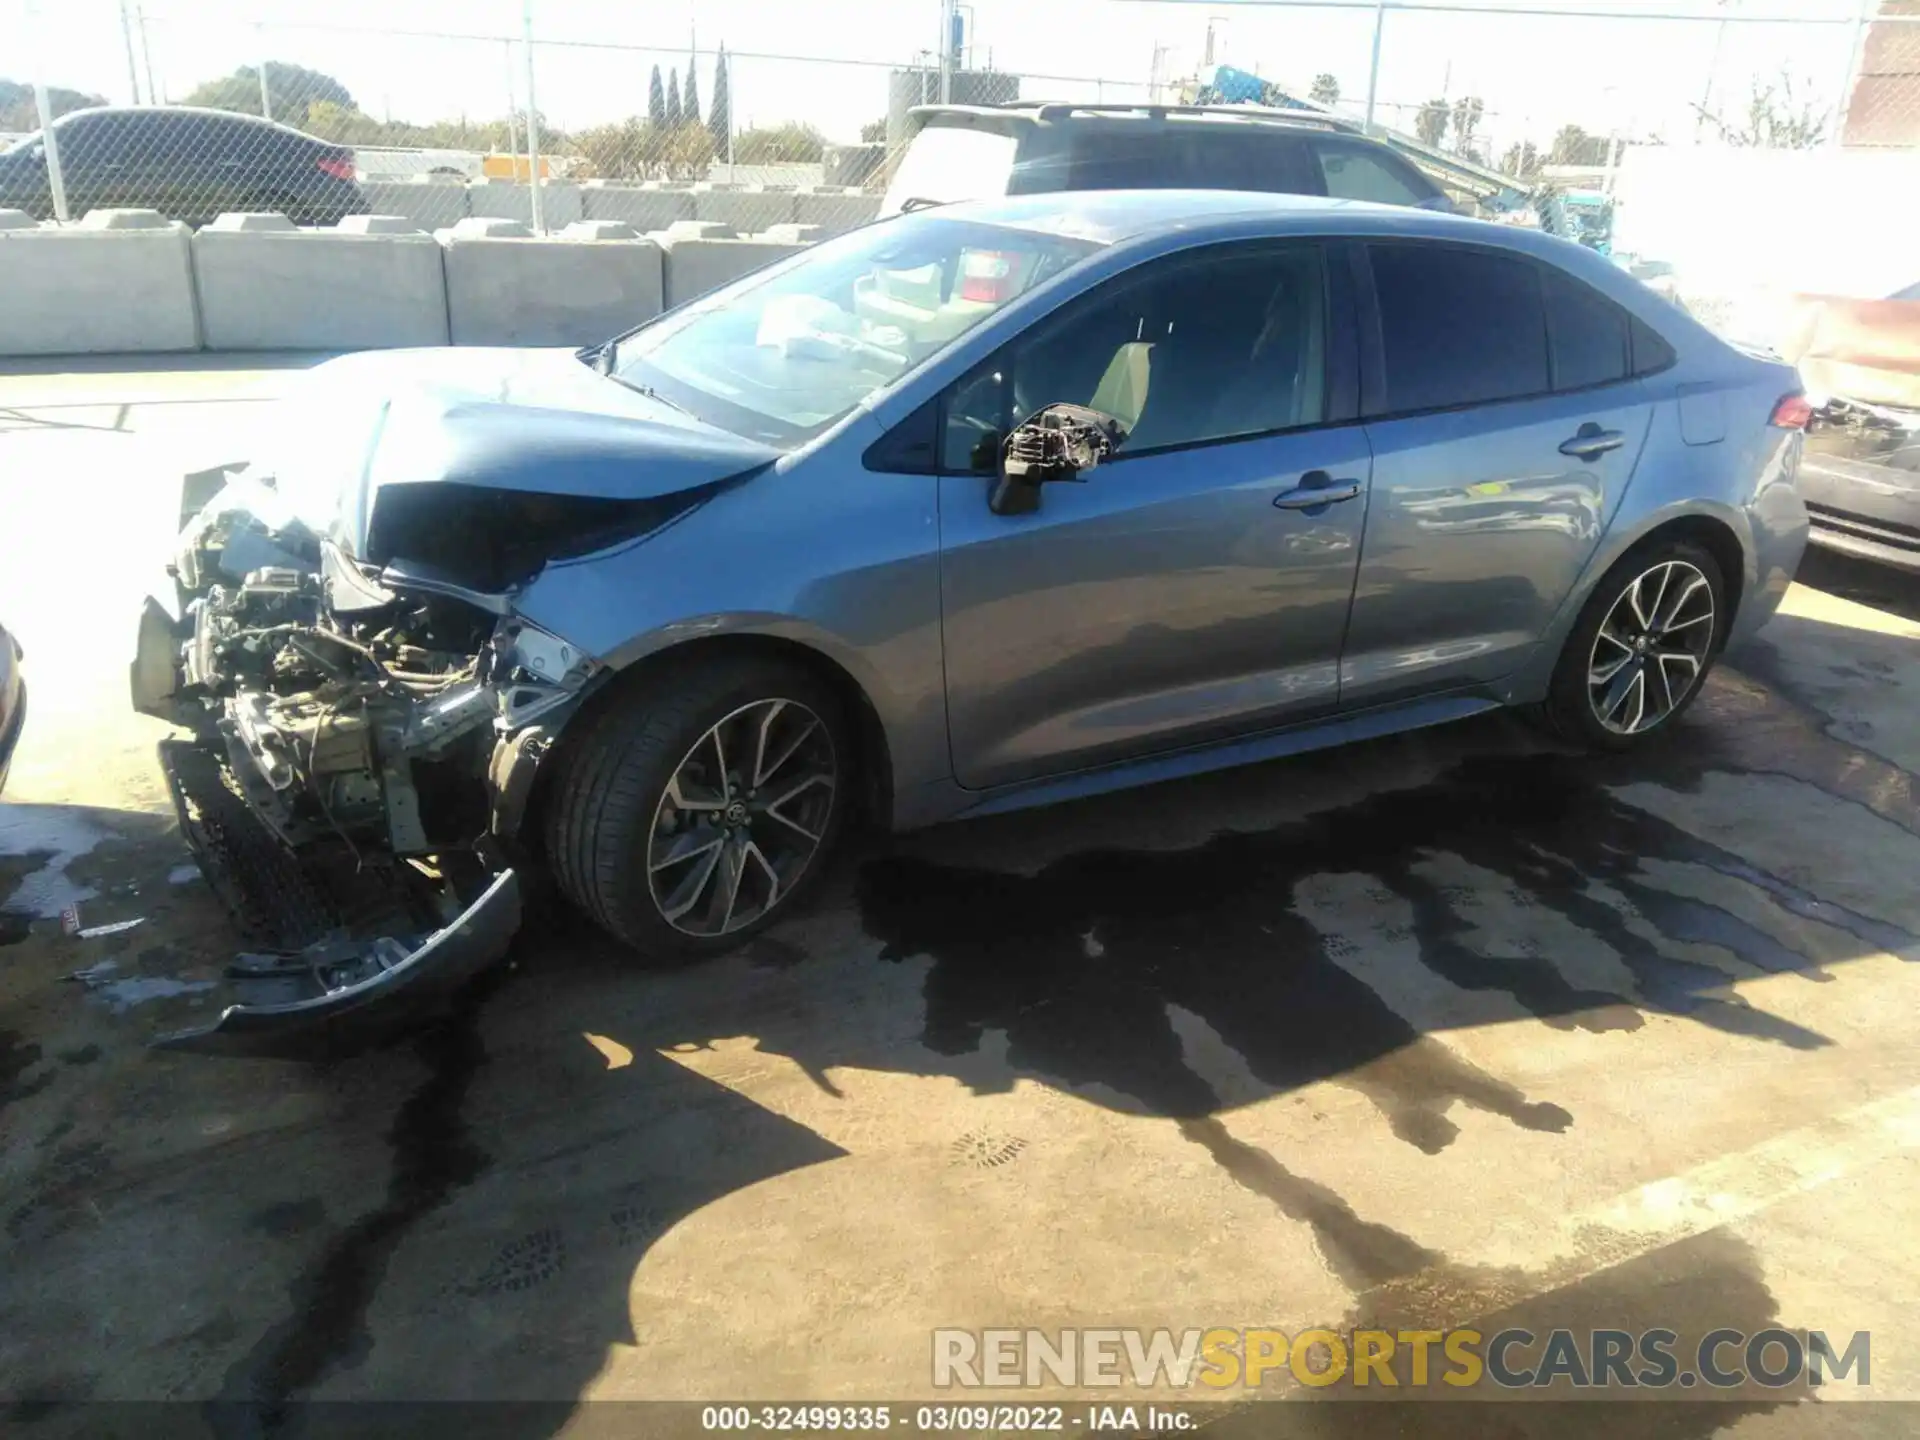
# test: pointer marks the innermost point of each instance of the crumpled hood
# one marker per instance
(532, 422)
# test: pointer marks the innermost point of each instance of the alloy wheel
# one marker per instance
(742, 818)
(1652, 648)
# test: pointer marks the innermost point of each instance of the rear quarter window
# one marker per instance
(1201, 156)
(945, 163)
(1359, 172)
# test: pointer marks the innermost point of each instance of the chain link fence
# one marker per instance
(547, 114)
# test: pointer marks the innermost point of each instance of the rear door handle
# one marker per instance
(1590, 440)
(1316, 489)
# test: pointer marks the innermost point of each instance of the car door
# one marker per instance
(1196, 585)
(92, 160)
(1505, 425)
(152, 162)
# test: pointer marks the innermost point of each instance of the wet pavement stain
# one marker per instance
(17, 1057)
(1214, 930)
(287, 1218)
(1691, 1287)
(434, 1156)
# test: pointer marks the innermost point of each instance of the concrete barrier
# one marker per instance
(374, 283)
(694, 265)
(513, 200)
(431, 204)
(835, 211)
(645, 207)
(118, 282)
(569, 290)
(748, 211)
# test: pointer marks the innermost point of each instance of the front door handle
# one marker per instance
(1590, 440)
(1316, 489)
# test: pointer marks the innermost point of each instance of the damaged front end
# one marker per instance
(363, 739)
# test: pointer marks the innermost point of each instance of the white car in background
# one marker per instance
(380, 162)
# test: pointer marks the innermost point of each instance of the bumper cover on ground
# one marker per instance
(320, 989)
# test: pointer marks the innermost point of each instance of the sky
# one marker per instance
(1635, 76)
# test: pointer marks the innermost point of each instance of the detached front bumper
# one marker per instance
(333, 991)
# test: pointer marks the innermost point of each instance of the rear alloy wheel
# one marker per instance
(1652, 647)
(1642, 647)
(699, 807)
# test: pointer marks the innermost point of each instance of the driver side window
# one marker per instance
(1195, 349)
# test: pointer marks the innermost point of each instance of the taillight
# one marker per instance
(1792, 413)
(987, 275)
(340, 167)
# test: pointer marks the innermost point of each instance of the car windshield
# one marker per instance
(783, 359)
(24, 142)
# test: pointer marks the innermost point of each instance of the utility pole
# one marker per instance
(133, 69)
(146, 53)
(1850, 77)
(513, 141)
(260, 49)
(49, 137)
(533, 125)
(946, 51)
(1373, 67)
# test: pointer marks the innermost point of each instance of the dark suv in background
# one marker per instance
(188, 164)
(973, 152)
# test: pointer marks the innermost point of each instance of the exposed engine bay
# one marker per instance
(363, 738)
(1879, 434)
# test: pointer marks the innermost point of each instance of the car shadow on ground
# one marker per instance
(464, 1212)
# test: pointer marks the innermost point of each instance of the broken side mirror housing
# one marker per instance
(1057, 442)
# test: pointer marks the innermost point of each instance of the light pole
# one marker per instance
(133, 69)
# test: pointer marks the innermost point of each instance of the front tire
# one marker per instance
(700, 807)
(1641, 649)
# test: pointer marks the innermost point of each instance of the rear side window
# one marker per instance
(1651, 354)
(1459, 327)
(1356, 172)
(1122, 155)
(951, 162)
(1586, 332)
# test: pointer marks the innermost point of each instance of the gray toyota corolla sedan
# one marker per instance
(975, 509)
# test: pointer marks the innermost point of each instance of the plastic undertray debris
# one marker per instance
(321, 979)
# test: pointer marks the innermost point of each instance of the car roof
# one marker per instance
(1053, 112)
(1110, 217)
(201, 112)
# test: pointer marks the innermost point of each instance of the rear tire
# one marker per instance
(1641, 649)
(701, 806)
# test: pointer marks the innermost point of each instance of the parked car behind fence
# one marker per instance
(188, 164)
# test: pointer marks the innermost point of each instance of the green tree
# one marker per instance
(1572, 145)
(793, 143)
(1774, 119)
(720, 109)
(1326, 89)
(690, 97)
(673, 99)
(1430, 121)
(19, 112)
(873, 131)
(292, 89)
(1467, 111)
(656, 101)
(1522, 160)
(620, 151)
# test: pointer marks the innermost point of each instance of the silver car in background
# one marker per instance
(979, 508)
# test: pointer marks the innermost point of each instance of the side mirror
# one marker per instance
(1058, 442)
